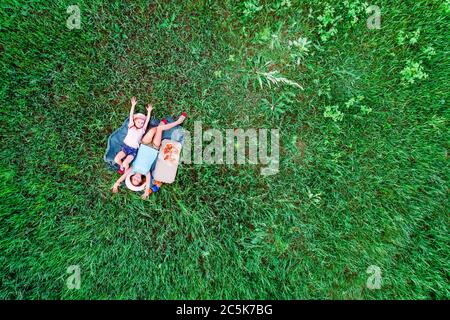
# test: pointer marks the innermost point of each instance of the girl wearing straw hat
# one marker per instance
(136, 129)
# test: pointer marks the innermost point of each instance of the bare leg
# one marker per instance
(127, 161)
(158, 135)
(119, 157)
(147, 139)
(173, 124)
(155, 133)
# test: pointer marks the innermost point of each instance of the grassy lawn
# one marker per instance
(363, 173)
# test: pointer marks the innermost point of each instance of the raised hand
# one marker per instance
(133, 101)
(149, 108)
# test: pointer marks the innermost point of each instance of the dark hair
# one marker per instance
(142, 181)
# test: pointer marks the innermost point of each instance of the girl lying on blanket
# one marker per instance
(139, 172)
(136, 129)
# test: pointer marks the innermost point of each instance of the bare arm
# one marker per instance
(133, 104)
(116, 185)
(147, 186)
(149, 112)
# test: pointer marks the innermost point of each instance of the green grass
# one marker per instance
(370, 189)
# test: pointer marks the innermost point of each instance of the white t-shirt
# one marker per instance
(134, 136)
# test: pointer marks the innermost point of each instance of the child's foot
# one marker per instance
(121, 170)
(157, 183)
(182, 117)
(164, 121)
(154, 188)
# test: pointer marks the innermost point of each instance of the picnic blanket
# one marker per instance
(116, 138)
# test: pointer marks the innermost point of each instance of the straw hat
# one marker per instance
(131, 186)
(139, 116)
